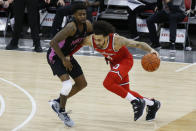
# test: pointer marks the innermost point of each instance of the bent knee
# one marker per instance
(107, 83)
(84, 84)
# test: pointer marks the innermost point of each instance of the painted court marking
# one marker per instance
(31, 99)
(185, 67)
(2, 106)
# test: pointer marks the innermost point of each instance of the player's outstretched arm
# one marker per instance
(87, 41)
(135, 44)
(89, 27)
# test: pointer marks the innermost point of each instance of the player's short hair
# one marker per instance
(103, 28)
(78, 6)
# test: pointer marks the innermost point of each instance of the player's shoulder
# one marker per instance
(89, 26)
(120, 41)
(71, 28)
(88, 22)
(118, 38)
(71, 25)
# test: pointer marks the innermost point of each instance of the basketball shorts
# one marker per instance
(122, 68)
(59, 69)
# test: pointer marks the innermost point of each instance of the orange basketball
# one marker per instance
(150, 62)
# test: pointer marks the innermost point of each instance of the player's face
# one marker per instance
(80, 16)
(99, 41)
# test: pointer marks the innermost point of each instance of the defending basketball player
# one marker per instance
(113, 48)
(63, 64)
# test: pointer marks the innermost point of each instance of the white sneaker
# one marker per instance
(67, 120)
(62, 115)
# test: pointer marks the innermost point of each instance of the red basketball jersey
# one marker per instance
(113, 56)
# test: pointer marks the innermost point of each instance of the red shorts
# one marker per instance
(122, 68)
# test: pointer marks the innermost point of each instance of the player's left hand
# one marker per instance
(66, 62)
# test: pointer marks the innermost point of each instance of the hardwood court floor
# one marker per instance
(25, 78)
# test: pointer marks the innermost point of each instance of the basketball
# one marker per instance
(150, 62)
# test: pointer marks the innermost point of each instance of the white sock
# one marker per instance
(130, 97)
(148, 101)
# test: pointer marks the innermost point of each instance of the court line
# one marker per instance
(185, 67)
(2, 106)
(31, 99)
(90, 53)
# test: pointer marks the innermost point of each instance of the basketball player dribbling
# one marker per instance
(113, 48)
(63, 64)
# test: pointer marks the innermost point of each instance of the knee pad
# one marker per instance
(67, 86)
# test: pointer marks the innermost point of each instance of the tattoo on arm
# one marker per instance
(143, 46)
(69, 30)
(137, 44)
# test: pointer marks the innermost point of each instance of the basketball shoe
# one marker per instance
(63, 115)
(55, 105)
(138, 108)
(152, 110)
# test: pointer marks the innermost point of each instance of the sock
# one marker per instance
(148, 101)
(58, 99)
(62, 110)
(135, 94)
(130, 97)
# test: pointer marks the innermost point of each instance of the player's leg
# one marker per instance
(113, 82)
(66, 88)
(80, 83)
(77, 74)
(125, 85)
(58, 105)
(121, 70)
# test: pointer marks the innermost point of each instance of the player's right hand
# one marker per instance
(66, 62)
(155, 52)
